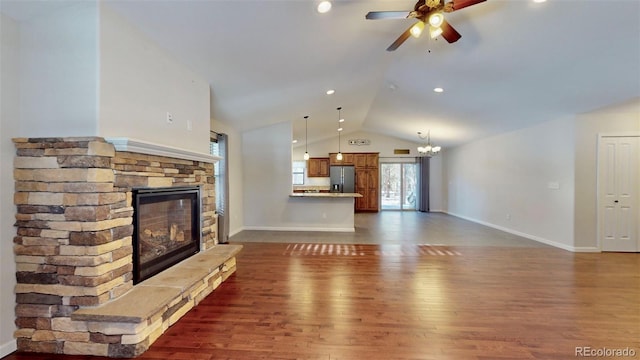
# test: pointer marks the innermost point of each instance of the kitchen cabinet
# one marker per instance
(318, 167)
(347, 159)
(367, 181)
(367, 186)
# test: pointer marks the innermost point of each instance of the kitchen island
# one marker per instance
(323, 211)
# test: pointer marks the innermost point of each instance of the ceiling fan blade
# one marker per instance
(449, 33)
(376, 15)
(402, 38)
(461, 4)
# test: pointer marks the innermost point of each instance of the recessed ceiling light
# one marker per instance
(341, 120)
(339, 129)
(324, 7)
(438, 89)
(295, 141)
(331, 92)
(539, 1)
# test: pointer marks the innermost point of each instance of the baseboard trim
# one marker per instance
(528, 236)
(236, 232)
(8, 347)
(298, 228)
(592, 249)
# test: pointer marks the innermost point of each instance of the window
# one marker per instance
(299, 168)
(214, 149)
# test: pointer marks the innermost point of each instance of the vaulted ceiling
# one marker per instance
(518, 63)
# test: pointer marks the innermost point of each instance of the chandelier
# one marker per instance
(428, 149)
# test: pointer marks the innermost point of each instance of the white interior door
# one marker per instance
(618, 193)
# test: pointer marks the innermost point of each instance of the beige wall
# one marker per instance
(622, 118)
(140, 82)
(9, 128)
(507, 182)
(59, 71)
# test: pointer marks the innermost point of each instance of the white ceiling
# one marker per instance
(517, 63)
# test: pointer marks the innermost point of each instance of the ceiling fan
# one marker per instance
(426, 11)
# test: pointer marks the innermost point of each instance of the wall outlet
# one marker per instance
(189, 125)
(169, 118)
(508, 216)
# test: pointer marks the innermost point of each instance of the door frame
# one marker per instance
(599, 155)
(401, 163)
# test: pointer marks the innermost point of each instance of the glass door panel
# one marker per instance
(390, 186)
(409, 186)
(398, 186)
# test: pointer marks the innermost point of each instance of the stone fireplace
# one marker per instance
(74, 248)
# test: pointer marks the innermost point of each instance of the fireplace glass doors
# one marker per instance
(166, 228)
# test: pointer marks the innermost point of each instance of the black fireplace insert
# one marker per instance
(166, 228)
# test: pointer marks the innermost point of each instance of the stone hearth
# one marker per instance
(73, 246)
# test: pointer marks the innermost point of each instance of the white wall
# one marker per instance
(140, 82)
(9, 128)
(505, 181)
(236, 192)
(59, 72)
(621, 118)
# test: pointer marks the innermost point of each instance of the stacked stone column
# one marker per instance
(74, 230)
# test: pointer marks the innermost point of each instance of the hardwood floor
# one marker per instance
(407, 300)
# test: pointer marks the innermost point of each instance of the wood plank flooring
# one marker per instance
(409, 301)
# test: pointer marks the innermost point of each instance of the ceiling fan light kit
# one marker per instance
(430, 11)
(436, 19)
(416, 29)
(434, 32)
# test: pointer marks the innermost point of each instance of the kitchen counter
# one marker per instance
(321, 211)
(325, 195)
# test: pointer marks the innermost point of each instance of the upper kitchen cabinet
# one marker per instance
(318, 167)
(347, 159)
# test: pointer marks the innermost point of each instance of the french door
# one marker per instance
(398, 186)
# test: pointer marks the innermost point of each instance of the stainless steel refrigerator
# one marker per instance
(343, 179)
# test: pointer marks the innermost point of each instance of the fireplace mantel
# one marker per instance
(145, 147)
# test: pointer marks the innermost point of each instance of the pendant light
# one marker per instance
(306, 137)
(339, 155)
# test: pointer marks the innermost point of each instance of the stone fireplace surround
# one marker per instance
(73, 251)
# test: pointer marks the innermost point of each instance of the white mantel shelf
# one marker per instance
(144, 147)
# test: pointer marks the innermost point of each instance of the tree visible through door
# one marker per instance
(398, 186)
